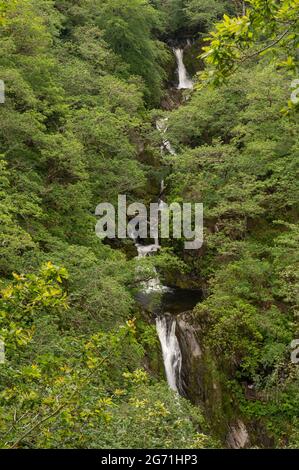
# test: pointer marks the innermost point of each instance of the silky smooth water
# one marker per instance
(185, 81)
(171, 351)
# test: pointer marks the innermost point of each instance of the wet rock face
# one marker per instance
(172, 99)
(198, 383)
(201, 384)
(192, 370)
(238, 437)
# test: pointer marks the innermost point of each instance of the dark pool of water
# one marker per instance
(174, 300)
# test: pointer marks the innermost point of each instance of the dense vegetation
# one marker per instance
(84, 80)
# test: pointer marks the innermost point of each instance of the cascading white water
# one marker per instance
(162, 127)
(144, 250)
(166, 324)
(172, 356)
(185, 81)
(153, 284)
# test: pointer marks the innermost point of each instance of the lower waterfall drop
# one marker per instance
(172, 356)
(166, 324)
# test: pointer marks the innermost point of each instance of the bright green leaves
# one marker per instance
(87, 393)
(128, 26)
(153, 416)
(13, 239)
(226, 45)
(28, 296)
(238, 154)
(28, 27)
(74, 131)
(60, 388)
(203, 13)
(267, 26)
(139, 376)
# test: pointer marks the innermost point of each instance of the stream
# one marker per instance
(163, 301)
(185, 81)
(169, 305)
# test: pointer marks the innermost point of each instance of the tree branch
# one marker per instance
(57, 411)
(266, 47)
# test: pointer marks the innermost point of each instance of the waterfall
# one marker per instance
(153, 284)
(165, 324)
(172, 356)
(184, 80)
(162, 204)
(162, 127)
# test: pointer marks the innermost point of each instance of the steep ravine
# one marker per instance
(165, 322)
(189, 369)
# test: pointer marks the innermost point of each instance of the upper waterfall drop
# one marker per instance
(185, 81)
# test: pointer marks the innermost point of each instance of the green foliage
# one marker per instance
(185, 16)
(238, 154)
(79, 77)
(153, 417)
(26, 298)
(13, 239)
(80, 391)
(266, 27)
(203, 13)
(127, 26)
(76, 130)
